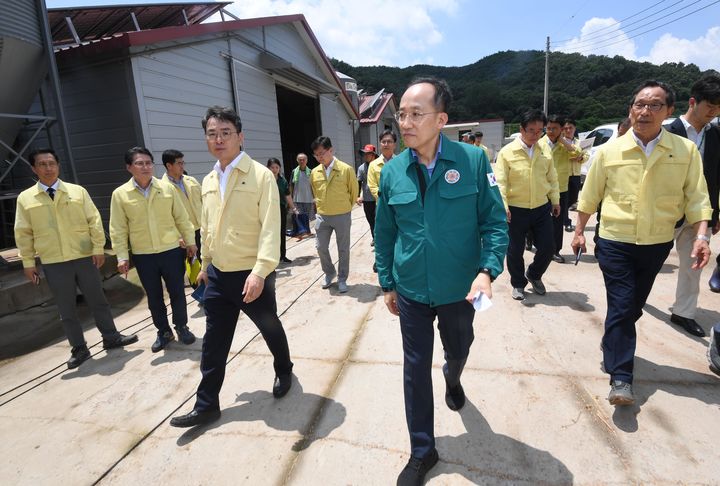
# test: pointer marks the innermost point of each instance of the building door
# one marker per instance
(299, 126)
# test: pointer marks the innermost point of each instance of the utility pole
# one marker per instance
(547, 75)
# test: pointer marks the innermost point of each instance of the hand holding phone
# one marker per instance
(578, 255)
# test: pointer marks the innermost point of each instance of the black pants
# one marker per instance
(455, 323)
(539, 221)
(369, 207)
(573, 189)
(559, 222)
(167, 266)
(283, 229)
(629, 271)
(223, 303)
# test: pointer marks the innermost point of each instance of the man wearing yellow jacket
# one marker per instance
(58, 222)
(528, 184)
(150, 216)
(335, 190)
(562, 151)
(388, 141)
(646, 180)
(241, 249)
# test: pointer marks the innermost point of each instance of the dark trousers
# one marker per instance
(573, 189)
(369, 207)
(416, 326)
(197, 242)
(62, 279)
(539, 221)
(283, 229)
(629, 271)
(559, 222)
(223, 303)
(167, 266)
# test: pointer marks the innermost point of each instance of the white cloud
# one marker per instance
(366, 32)
(703, 51)
(600, 36)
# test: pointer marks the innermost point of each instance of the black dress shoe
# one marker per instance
(195, 418)
(414, 472)
(163, 338)
(282, 385)
(185, 335)
(558, 258)
(689, 325)
(119, 341)
(455, 397)
(285, 260)
(78, 355)
(715, 280)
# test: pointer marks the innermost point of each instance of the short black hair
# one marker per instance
(532, 116)
(222, 113)
(170, 156)
(443, 96)
(556, 119)
(274, 160)
(479, 134)
(571, 121)
(130, 154)
(707, 89)
(471, 137)
(387, 132)
(31, 156)
(321, 141)
(651, 83)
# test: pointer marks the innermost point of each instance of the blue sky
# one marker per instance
(459, 32)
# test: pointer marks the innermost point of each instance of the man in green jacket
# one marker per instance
(440, 240)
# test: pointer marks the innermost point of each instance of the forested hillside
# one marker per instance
(593, 89)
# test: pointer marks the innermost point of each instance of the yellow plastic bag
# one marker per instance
(192, 269)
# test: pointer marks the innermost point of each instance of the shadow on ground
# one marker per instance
(297, 411)
(651, 377)
(496, 458)
(41, 326)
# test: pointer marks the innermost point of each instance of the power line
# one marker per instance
(622, 34)
(646, 31)
(618, 22)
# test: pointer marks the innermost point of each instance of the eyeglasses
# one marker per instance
(143, 164)
(387, 142)
(414, 117)
(224, 134)
(320, 155)
(47, 165)
(654, 107)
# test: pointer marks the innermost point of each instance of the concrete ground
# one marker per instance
(536, 413)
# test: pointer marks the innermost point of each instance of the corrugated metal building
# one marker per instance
(152, 87)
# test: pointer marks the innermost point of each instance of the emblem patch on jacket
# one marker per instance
(491, 179)
(452, 176)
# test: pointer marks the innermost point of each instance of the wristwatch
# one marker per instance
(488, 273)
(703, 237)
(387, 289)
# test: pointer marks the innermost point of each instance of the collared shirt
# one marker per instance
(151, 224)
(529, 149)
(178, 183)
(54, 186)
(644, 196)
(373, 177)
(329, 168)
(59, 230)
(650, 145)
(431, 166)
(224, 174)
(146, 191)
(697, 138)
